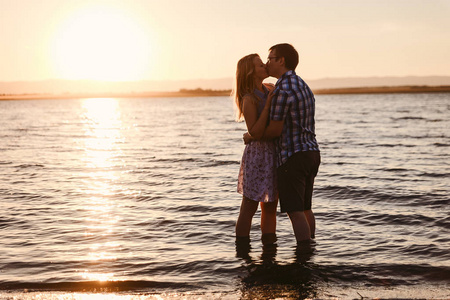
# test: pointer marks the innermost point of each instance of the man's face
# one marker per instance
(272, 64)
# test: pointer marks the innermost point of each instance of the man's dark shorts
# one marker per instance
(296, 181)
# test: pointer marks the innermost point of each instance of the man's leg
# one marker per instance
(311, 222)
(296, 181)
(309, 186)
(300, 225)
(291, 186)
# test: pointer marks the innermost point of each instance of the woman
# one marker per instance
(257, 175)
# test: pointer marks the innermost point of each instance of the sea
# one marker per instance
(135, 198)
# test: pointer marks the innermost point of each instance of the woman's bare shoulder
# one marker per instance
(249, 98)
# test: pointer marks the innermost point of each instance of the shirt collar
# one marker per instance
(287, 74)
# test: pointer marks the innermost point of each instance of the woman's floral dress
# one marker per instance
(258, 175)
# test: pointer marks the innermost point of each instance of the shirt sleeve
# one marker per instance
(280, 105)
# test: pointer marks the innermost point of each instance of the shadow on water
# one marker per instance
(266, 278)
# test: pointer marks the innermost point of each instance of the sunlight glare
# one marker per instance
(102, 146)
(102, 117)
(101, 43)
(97, 276)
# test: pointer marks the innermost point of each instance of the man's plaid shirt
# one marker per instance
(293, 102)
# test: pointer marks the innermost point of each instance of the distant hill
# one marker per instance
(355, 82)
(86, 86)
(58, 86)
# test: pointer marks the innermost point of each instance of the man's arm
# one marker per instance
(280, 107)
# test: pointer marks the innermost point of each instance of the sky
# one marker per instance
(203, 39)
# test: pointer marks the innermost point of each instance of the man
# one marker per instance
(292, 124)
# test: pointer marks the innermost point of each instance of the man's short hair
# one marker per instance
(289, 53)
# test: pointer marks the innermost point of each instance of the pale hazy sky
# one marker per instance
(182, 39)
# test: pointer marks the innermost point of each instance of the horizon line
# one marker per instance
(215, 78)
(215, 93)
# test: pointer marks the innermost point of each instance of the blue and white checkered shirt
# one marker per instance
(294, 102)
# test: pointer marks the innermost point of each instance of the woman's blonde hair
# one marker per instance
(244, 83)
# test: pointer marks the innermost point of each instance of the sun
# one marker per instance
(101, 43)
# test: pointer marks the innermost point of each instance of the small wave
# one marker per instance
(199, 208)
(177, 160)
(146, 198)
(426, 250)
(338, 192)
(199, 161)
(444, 222)
(408, 118)
(94, 286)
(216, 163)
(24, 195)
(355, 193)
(26, 166)
(441, 145)
(395, 170)
(191, 208)
(436, 175)
(396, 220)
(390, 145)
(15, 222)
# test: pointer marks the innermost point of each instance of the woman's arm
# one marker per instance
(256, 125)
(269, 86)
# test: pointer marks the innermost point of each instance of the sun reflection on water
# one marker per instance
(102, 130)
(97, 276)
(102, 123)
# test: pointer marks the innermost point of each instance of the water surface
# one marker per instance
(139, 195)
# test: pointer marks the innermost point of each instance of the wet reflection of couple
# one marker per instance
(281, 156)
(267, 279)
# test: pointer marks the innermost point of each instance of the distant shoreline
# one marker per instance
(216, 93)
(385, 90)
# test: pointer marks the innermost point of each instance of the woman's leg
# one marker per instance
(268, 217)
(244, 222)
